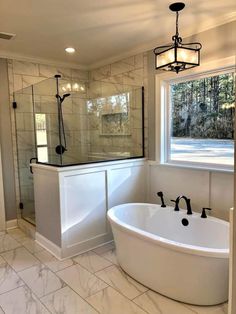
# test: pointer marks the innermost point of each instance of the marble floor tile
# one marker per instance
(32, 246)
(16, 233)
(20, 259)
(218, 309)
(104, 248)
(97, 284)
(109, 301)
(8, 278)
(82, 281)
(52, 262)
(154, 303)
(21, 301)
(7, 243)
(111, 256)
(92, 262)
(66, 301)
(2, 261)
(225, 307)
(41, 280)
(118, 279)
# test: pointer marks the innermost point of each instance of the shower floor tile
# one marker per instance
(34, 281)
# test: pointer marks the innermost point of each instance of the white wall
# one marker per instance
(205, 188)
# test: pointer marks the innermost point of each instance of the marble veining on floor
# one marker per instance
(33, 281)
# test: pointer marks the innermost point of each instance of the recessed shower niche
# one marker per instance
(62, 122)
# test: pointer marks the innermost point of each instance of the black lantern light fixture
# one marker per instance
(177, 56)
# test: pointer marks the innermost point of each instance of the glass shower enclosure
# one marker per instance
(62, 122)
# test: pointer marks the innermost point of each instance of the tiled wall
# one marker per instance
(115, 123)
(113, 79)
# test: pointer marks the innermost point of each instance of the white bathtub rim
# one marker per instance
(164, 242)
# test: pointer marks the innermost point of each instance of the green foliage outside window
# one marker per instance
(204, 108)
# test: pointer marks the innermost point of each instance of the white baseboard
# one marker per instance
(73, 249)
(11, 224)
(48, 245)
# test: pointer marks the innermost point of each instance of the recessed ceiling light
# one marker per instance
(70, 50)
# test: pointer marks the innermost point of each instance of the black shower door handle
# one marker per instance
(34, 158)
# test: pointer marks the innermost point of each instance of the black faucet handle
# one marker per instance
(176, 204)
(203, 215)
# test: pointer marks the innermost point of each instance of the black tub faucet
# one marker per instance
(176, 209)
(187, 200)
(160, 194)
(203, 215)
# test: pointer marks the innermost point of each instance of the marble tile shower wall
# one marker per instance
(21, 75)
(114, 79)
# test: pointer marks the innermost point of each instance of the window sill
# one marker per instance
(200, 167)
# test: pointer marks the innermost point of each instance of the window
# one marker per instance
(201, 120)
(41, 137)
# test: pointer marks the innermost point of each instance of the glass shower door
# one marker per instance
(25, 140)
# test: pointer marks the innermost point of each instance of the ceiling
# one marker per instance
(101, 31)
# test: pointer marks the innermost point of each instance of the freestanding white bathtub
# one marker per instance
(185, 263)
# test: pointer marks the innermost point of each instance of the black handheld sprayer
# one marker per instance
(60, 149)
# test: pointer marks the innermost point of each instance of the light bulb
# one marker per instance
(70, 50)
(68, 87)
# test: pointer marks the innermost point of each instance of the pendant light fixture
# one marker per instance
(177, 56)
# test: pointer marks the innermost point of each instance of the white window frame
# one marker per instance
(163, 111)
(41, 145)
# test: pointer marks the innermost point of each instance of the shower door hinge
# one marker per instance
(14, 104)
(21, 205)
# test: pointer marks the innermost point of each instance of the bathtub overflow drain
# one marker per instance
(185, 221)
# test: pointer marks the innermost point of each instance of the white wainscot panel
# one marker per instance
(83, 201)
(47, 205)
(72, 202)
(178, 181)
(222, 194)
(127, 185)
